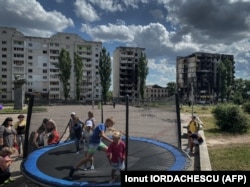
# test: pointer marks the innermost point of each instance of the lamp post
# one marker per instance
(49, 97)
(209, 91)
(179, 94)
(192, 98)
(102, 109)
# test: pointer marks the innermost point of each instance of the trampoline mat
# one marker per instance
(53, 163)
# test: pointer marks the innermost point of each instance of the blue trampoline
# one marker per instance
(49, 166)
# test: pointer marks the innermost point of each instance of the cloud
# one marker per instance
(30, 18)
(108, 33)
(85, 10)
(153, 37)
(211, 22)
(59, 1)
(160, 67)
(107, 5)
(157, 14)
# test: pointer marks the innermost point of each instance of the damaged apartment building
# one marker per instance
(199, 78)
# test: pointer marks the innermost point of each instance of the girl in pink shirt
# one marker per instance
(116, 154)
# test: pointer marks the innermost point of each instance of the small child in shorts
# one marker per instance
(195, 139)
(95, 144)
(116, 154)
(88, 131)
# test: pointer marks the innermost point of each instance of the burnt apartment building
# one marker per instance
(198, 76)
(125, 73)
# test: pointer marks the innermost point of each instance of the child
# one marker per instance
(52, 133)
(195, 139)
(6, 153)
(4, 171)
(116, 154)
(95, 143)
(77, 129)
(88, 131)
(193, 127)
(91, 117)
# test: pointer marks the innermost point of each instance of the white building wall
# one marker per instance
(38, 57)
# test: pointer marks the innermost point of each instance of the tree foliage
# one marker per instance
(246, 90)
(143, 72)
(64, 66)
(171, 88)
(105, 72)
(226, 79)
(241, 91)
(246, 107)
(78, 69)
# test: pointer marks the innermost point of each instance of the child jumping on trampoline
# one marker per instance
(95, 143)
(116, 154)
(88, 131)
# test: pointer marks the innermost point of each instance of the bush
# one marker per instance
(246, 107)
(230, 118)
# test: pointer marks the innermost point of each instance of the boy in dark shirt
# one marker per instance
(77, 128)
(195, 139)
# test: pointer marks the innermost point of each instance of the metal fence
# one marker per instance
(158, 120)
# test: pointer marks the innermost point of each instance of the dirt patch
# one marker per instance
(218, 141)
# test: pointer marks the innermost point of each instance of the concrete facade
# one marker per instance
(125, 72)
(34, 59)
(198, 76)
(155, 92)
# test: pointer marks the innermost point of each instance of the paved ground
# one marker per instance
(61, 115)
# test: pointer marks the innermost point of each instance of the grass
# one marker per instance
(226, 157)
(230, 158)
(197, 109)
(11, 110)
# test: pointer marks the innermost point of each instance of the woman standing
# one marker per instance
(20, 126)
(7, 133)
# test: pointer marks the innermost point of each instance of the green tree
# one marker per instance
(105, 72)
(226, 78)
(64, 66)
(110, 96)
(222, 73)
(171, 88)
(143, 72)
(78, 69)
(241, 91)
(246, 90)
(238, 91)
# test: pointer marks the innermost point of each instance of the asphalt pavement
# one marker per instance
(61, 115)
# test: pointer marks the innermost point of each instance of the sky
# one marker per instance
(165, 28)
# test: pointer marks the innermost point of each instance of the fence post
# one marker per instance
(27, 128)
(127, 118)
(178, 119)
